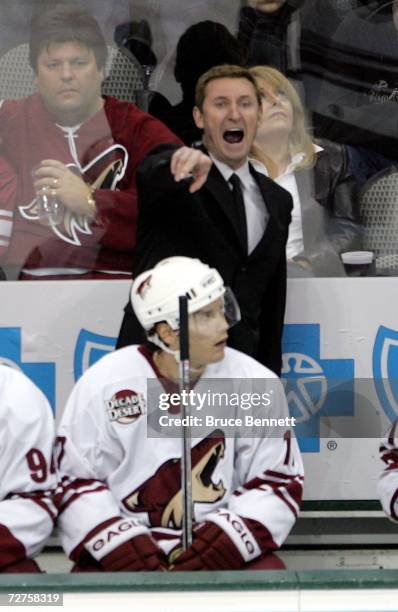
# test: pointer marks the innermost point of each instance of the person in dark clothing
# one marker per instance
(263, 32)
(325, 217)
(351, 84)
(202, 46)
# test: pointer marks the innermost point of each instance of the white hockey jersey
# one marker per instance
(111, 467)
(27, 476)
(388, 481)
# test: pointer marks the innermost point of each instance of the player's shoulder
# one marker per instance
(240, 365)
(121, 362)
(123, 370)
(11, 378)
(20, 396)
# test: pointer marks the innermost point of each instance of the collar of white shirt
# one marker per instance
(243, 172)
(294, 162)
(256, 212)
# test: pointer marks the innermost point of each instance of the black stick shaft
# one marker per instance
(186, 467)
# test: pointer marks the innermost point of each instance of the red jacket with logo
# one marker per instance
(105, 150)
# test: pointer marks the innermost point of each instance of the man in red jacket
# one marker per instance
(69, 143)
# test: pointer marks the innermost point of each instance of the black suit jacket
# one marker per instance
(174, 222)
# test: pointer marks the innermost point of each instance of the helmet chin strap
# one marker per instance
(176, 354)
(156, 340)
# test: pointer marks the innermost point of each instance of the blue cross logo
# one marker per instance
(385, 370)
(41, 374)
(315, 387)
(90, 347)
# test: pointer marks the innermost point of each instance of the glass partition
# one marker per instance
(68, 160)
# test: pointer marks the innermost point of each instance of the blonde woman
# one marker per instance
(325, 211)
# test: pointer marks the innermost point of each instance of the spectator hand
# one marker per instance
(64, 184)
(186, 163)
(211, 549)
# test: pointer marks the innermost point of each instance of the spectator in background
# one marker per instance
(202, 46)
(136, 36)
(325, 211)
(268, 34)
(27, 473)
(344, 54)
(82, 149)
(351, 84)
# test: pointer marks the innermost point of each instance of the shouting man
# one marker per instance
(231, 217)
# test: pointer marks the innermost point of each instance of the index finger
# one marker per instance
(181, 162)
(200, 175)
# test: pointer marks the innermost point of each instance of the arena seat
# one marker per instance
(379, 215)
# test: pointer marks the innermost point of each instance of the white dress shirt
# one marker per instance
(256, 211)
(287, 180)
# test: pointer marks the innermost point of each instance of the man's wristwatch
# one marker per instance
(91, 201)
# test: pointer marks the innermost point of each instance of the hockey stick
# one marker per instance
(186, 467)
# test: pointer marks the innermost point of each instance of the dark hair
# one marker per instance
(224, 72)
(202, 46)
(61, 24)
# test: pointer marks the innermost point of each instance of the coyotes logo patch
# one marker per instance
(104, 171)
(160, 495)
(144, 286)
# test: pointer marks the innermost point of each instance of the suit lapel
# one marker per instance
(219, 189)
(270, 205)
(221, 192)
(263, 184)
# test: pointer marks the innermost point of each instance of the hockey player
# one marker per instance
(121, 508)
(388, 482)
(27, 476)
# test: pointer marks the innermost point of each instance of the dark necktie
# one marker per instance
(240, 210)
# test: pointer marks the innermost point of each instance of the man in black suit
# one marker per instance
(241, 230)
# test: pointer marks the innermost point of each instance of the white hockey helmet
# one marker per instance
(155, 293)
